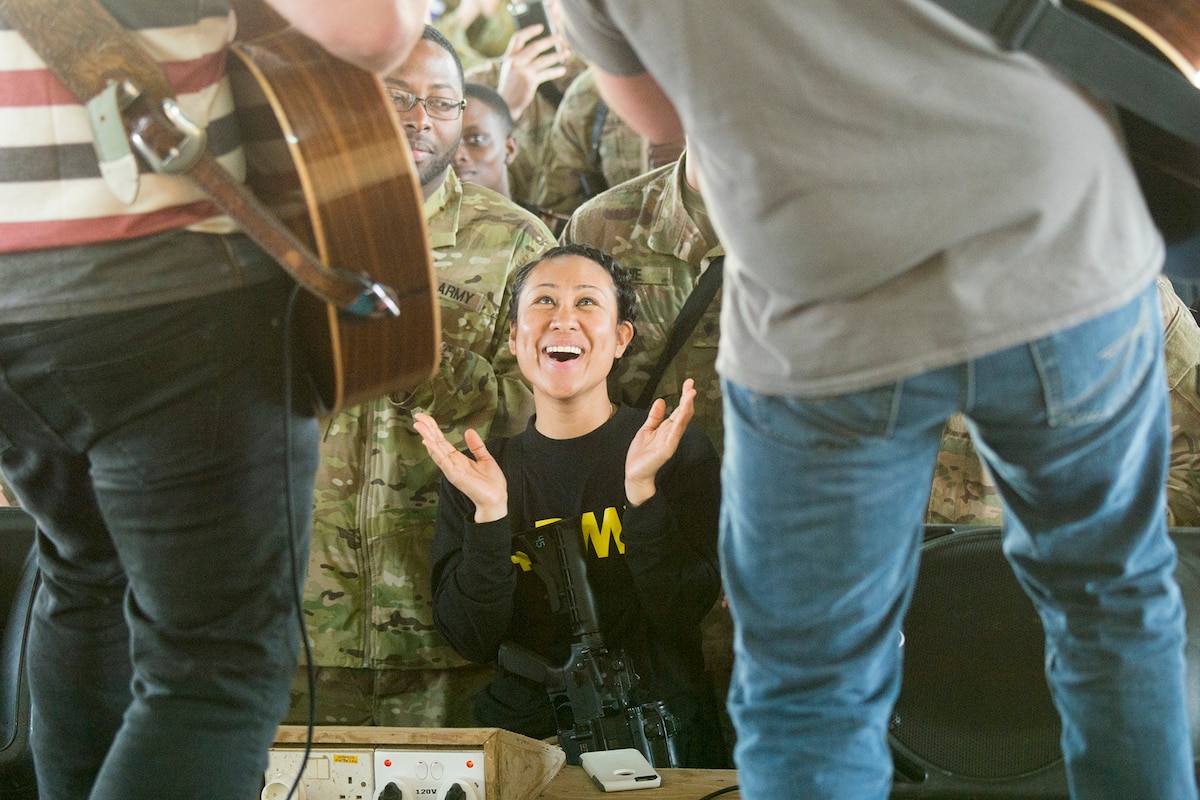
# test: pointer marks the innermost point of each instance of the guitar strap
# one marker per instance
(590, 188)
(106, 68)
(1087, 53)
(685, 323)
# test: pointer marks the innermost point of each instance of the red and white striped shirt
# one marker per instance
(51, 191)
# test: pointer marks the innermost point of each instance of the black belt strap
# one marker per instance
(700, 298)
(1096, 58)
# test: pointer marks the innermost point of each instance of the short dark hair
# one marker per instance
(621, 277)
(432, 34)
(492, 99)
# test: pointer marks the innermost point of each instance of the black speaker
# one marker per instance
(974, 718)
(18, 584)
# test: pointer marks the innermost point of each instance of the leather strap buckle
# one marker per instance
(170, 143)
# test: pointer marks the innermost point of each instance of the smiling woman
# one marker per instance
(573, 315)
(653, 482)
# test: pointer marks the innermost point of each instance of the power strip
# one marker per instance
(331, 774)
(365, 773)
(431, 775)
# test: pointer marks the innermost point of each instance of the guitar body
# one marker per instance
(1168, 168)
(326, 153)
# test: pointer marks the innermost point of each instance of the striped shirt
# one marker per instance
(51, 191)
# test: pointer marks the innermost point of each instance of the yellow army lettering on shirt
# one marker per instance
(600, 534)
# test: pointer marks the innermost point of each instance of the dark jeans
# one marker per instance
(152, 446)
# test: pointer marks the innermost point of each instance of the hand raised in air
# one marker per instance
(481, 479)
(655, 443)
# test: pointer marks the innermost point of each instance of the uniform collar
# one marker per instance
(672, 231)
(442, 211)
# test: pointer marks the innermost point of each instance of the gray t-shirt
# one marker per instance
(895, 192)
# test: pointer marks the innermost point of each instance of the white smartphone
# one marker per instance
(619, 770)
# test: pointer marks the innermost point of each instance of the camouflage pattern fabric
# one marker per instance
(484, 38)
(402, 698)
(366, 601)
(963, 493)
(532, 127)
(567, 154)
(1181, 342)
(643, 224)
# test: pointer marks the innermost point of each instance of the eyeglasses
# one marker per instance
(436, 107)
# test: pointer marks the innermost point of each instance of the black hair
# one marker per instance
(432, 34)
(492, 99)
(621, 277)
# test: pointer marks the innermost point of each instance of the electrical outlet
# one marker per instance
(341, 774)
(430, 774)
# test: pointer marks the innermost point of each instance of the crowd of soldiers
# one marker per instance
(571, 171)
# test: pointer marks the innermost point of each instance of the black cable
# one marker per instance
(720, 792)
(297, 589)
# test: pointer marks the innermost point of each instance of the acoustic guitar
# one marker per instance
(327, 155)
(1167, 166)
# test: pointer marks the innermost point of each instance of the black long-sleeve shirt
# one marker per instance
(652, 568)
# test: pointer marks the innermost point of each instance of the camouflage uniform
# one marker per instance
(963, 493)
(1181, 341)
(532, 127)
(645, 224)
(367, 598)
(567, 158)
(484, 38)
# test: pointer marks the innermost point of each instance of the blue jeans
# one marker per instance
(821, 530)
(152, 448)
